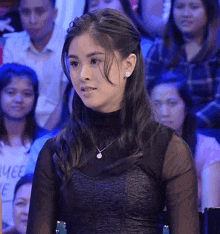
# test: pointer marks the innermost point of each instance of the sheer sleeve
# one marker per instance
(181, 188)
(44, 208)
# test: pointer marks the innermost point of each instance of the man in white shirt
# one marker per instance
(40, 47)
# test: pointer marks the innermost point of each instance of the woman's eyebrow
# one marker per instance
(88, 55)
(95, 53)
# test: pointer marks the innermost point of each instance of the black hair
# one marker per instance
(109, 29)
(189, 125)
(26, 179)
(7, 72)
(174, 41)
(127, 8)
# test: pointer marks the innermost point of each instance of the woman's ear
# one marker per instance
(129, 64)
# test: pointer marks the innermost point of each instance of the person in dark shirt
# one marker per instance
(190, 45)
(113, 168)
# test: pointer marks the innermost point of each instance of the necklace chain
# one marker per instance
(99, 155)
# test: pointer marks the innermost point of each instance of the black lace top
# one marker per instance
(127, 202)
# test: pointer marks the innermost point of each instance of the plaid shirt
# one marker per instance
(203, 78)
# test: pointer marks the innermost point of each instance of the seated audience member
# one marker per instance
(21, 202)
(39, 46)
(18, 128)
(129, 8)
(172, 103)
(190, 46)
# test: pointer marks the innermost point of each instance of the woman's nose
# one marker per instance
(164, 110)
(18, 97)
(186, 11)
(85, 73)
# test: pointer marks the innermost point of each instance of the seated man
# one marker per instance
(39, 46)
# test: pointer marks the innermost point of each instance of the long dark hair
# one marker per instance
(189, 124)
(7, 72)
(174, 41)
(135, 17)
(110, 29)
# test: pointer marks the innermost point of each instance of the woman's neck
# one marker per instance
(14, 130)
(192, 46)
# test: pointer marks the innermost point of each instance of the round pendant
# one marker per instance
(99, 155)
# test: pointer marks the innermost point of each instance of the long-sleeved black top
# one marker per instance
(127, 202)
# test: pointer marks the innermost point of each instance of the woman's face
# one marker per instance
(17, 98)
(86, 60)
(100, 4)
(21, 208)
(190, 17)
(168, 105)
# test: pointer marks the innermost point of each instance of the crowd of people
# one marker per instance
(107, 118)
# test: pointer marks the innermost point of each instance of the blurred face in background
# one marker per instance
(21, 207)
(169, 107)
(190, 17)
(17, 98)
(37, 17)
(100, 4)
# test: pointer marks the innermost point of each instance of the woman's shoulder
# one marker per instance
(157, 138)
(207, 150)
(158, 130)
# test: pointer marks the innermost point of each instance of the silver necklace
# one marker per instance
(99, 155)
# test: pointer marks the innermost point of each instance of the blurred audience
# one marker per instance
(190, 45)
(18, 128)
(21, 202)
(39, 46)
(172, 102)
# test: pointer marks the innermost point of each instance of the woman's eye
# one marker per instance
(194, 7)
(74, 63)
(28, 94)
(20, 204)
(179, 6)
(95, 61)
(156, 104)
(172, 104)
(10, 92)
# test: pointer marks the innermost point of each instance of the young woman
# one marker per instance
(112, 168)
(18, 129)
(191, 46)
(172, 103)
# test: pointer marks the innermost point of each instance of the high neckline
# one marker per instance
(99, 119)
